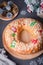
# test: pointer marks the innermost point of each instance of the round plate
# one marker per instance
(15, 54)
(6, 18)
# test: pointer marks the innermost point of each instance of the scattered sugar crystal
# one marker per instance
(40, 60)
(23, 12)
(33, 63)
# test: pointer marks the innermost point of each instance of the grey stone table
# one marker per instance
(22, 13)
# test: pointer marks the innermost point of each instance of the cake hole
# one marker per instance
(24, 36)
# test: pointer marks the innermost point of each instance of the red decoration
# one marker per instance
(41, 5)
(34, 41)
(14, 29)
(40, 31)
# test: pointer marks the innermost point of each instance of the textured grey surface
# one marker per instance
(22, 8)
(4, 60)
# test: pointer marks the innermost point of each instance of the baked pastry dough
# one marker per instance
(23, 38)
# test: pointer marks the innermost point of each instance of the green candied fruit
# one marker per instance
(13, 44)
(13, 34)
(33, 23)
